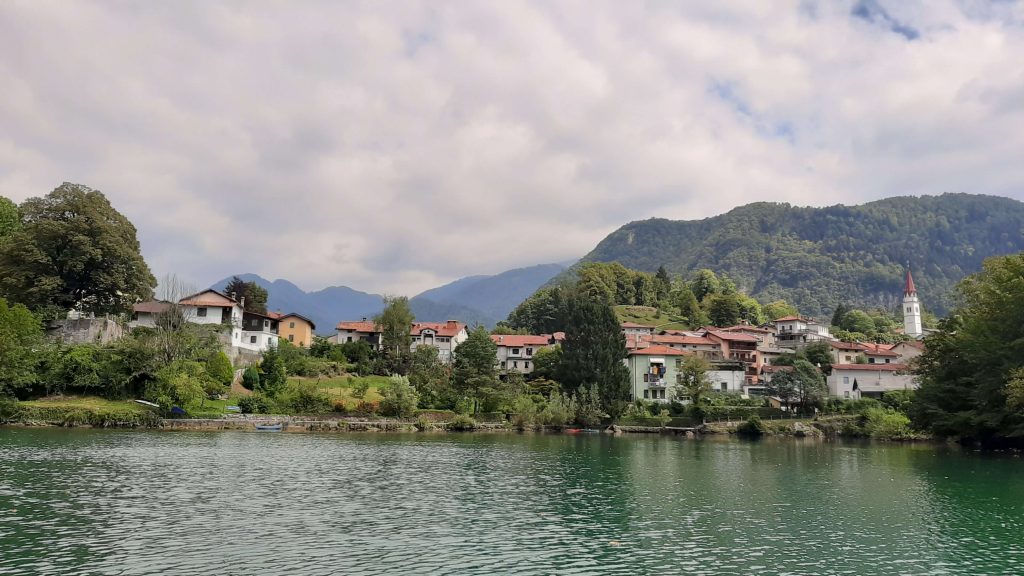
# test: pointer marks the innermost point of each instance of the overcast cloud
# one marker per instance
(393, 146)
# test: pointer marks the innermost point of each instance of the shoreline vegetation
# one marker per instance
(95, 412)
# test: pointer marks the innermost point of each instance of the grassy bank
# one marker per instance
(79, 411)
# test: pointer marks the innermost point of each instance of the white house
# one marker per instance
(206, 307)
(725, 380)
(797, 332)
(869, 380)
(633, 329)
(515, 351)
(259, 331)
(354, 331)
(444, 336)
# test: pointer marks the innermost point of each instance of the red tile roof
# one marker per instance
(210, 298)
(656, 351)
(673, 339)
(358, 326)
(748, 328)
(732, 336)
(847, 345)
(520, 340)
(449, 328)
(877, 350)
(635, 325)
(791, 319)
(871, 367)
(152, 307)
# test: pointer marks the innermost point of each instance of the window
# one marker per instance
(266, 323)
(349, 339)
(201, 312)
(515, 364)
(846, 394)
(871, 360)
(725, 386)
(886, 360)
(515, 351)
(529, 351)
(662, 392)
(647, 393)
(291, 337)
(252, 339)
(291, 324)
(526, 365)
(846, 379)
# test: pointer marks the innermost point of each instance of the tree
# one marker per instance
(750, 310)
(783, 385)
(686, 302)
(273, 376)
(810, 384)
(399, 399)
(179, 384)
(545, 363)
(252, 295)
(705, 283)
(694, 384)
(10, 220)
(724, 309)
(430, 379)
(841, 311)
(218, 366)
(970, 369)
(395, 324)
(858, 321)
(819, 354)
(593, 353)
(74, 251)
(21, 338)
(663, 284)
(251, 378)
(779, 309)
(475, 366)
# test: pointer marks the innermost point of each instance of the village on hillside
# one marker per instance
(742, 359)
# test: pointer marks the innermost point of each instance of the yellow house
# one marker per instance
(296, 329)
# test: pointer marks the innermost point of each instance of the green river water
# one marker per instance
(130, 502)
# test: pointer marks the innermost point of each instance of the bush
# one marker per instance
(179, 384)
(524, 413)
(306, 398)
(218, 366)
(360, 388)
(255, 404)
(886, 423)
(399, 399)
(752, 428)
(558, 412)
(251, 378)
(9, 409)
(462, 423)
(273, 377)
(423, 424)
(899, 400)
(367, 408)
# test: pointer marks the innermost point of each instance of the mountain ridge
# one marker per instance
(819, 257)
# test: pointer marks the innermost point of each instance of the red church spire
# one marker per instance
(909, 290)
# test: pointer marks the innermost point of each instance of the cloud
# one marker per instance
(394, 146)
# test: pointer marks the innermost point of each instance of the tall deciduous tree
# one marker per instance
(779, 309)
(694, 384)
(21, 338)
(74, 250)
(254, 295)
(10, 220)
(395, 324)
(724, 309)
(593, 353)
(971, 369)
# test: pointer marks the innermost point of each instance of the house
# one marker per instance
(700, 345)
(797, 331)
(854, 381)
(296, 329)
(633, 329)
(444, 336)
(907, 351)
(765, 335)
(516, 351)
(846, 352)
(764, 379)
(259, 331)
(736, 347)
(653, 372)
(880, 354)
(354, 331)
(206, 307)
(727, 377)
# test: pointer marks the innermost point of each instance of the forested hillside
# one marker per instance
(817, 258)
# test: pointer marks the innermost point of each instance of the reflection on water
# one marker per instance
(117, 502)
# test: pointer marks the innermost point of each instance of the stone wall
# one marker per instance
(84, 331)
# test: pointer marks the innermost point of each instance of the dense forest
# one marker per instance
(818, 258)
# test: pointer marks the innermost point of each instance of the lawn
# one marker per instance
(340, 388)
(94, 403)
(649, 316)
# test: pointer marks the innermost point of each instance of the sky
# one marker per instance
(395, 146)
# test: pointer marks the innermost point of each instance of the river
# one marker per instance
(132, 503)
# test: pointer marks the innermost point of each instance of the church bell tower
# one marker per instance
(911, 309)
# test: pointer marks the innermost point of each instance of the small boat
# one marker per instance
(146, 403)
(269, 427)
